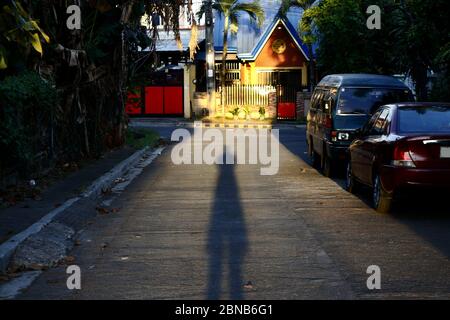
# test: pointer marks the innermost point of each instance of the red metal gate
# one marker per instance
(158, 101)
(286, 102)
(160, 95)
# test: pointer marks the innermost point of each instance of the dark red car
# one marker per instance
(402, 145)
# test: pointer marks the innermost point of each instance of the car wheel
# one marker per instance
(327, 166)
(351, 185)
(382, 200)
(314, 157)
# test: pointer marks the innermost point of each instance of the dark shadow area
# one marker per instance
(227, 237)
(426, 212)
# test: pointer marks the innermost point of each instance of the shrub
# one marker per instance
(27, 104)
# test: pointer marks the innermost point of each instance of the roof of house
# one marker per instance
(250, 39)
(166, 41)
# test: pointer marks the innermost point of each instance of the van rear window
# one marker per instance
(368, 100)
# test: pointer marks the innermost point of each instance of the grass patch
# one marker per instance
(141, 138)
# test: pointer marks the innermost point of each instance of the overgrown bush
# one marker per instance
(27, 104)
(441, 89)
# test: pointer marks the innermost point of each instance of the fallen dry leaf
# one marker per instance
(37, 266)
(69, 259)
(102, 210)
(248, 285)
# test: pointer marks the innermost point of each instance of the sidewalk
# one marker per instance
(15, 219)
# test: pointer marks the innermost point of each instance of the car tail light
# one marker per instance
(402, 157)
(334, 136)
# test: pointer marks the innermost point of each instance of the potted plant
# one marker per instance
(235, 113)
(262, 113)
(243, 113)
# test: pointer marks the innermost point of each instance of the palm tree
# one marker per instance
(231, 10)
(305, 5)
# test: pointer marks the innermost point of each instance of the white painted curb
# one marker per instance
(94, 190)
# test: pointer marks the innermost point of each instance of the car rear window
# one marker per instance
(368, 100)
(433, 119)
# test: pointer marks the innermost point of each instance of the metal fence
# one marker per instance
(245, 95)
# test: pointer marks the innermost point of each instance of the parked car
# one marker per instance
(342, 104)
(403, 145)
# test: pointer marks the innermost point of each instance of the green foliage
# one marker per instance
(142, 138)
(262, 111)
(231, 10)
(413, 39)
(18, 31)
(342, 36)
(305, 29)
(27, 103)
(441, 88)
(102, 33)
(235, 111)
(91, 68)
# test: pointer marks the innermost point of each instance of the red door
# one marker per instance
(173, 100)
(154, 100)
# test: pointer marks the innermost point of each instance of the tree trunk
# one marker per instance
(420, 77)
(312, 69)
(224, 56)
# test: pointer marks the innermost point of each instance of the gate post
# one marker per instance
(187, 92)
(303, 102)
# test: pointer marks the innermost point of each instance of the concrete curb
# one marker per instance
(232, 126)
(105, 181)
(94, 190)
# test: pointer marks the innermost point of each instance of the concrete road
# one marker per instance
(226, 232)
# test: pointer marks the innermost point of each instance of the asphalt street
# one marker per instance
(227, 232)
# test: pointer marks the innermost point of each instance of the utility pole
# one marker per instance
(210, 57)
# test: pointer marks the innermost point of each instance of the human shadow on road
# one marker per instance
(227, 237)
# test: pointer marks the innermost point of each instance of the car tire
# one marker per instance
(327, 166)
(382, 200)
(314, 157)
(351, 185)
